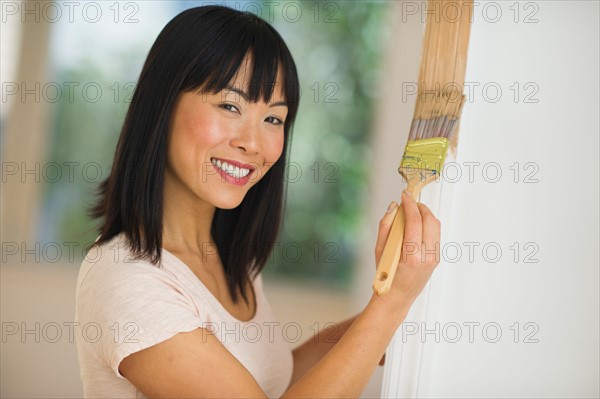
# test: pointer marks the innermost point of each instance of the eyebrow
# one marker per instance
(246, 96)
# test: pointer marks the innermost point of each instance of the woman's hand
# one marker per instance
(420, 250)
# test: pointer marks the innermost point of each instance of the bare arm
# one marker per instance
(196, 364)
(313, 350)
(346, 369)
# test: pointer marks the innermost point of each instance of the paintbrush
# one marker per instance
(434, 128)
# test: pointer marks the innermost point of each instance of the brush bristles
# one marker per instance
(437, 115)
(442, 71)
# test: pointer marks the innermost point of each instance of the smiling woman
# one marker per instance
(190, 213)
(183, 88)
(223, 138)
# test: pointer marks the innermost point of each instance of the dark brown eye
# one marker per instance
(227, 107)
(275, 121)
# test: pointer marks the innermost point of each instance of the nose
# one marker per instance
(247, 138)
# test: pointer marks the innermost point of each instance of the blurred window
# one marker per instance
(97, 56)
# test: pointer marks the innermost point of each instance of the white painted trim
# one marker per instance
(408, 365)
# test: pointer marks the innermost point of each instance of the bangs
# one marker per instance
(223, 52)
(200, 50)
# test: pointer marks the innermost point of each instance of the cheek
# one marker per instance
(274, 148)
(192, 135)
(198, 135)
(200, 131)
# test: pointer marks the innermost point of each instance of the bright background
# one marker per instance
(337, 46)
(357, 63)
(86, 58)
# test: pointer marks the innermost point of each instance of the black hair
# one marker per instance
(201, 48)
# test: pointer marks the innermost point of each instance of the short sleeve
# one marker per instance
(126, 307)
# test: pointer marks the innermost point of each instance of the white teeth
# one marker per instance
(231, 170)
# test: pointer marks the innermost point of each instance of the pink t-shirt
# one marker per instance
(125, 305)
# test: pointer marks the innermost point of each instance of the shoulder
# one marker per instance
(112, 264)
(112, 281)
(134, 304)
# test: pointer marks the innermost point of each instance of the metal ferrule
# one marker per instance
(425, 154)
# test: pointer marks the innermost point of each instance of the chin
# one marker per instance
(230, 203)
(229, 207)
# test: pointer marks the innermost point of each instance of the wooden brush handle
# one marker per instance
(386, 269)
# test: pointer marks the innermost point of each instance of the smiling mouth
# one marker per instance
(231, 170)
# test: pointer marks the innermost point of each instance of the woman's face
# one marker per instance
(220, 145)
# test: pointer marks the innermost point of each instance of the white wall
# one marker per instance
(557, 215)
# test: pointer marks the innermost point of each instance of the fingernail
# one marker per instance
(405, 192)
(391, 207)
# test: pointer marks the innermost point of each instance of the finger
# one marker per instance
(385, 226)
(431, 235)
(413, 229)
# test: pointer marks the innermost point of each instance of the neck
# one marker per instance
(187, 222)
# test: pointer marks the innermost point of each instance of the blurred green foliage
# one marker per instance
(337, 47)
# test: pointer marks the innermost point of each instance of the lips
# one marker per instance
(233, 172)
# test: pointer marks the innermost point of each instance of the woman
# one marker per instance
(169, 298)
